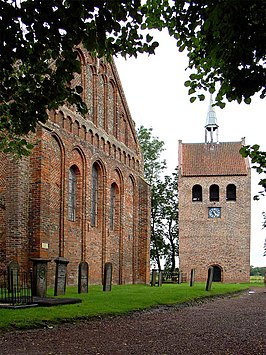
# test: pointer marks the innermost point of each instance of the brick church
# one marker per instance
(81, 194)
(214, 207)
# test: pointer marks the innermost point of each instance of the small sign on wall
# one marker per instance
(45, 245)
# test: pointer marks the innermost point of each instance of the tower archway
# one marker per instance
(217, 273)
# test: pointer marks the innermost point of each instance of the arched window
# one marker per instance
(72, 193)
(196, 193)
(113, 205)
(214, 193)
(94, 195)
(231, 192)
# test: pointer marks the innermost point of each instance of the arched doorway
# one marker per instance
(217, 273)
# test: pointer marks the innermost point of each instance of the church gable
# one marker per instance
(221, 159)
(108, 112)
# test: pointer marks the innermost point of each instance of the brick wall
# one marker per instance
(36, 219)
(224, 241)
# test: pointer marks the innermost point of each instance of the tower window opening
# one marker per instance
(214, 193)
(231, 192)
(196, 193)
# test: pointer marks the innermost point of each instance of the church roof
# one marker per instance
(201, 159)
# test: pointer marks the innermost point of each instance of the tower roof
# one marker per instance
(199, 159)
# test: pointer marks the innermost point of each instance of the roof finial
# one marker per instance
(211, 124)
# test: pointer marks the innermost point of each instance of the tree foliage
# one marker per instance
(37, 59)
(258, 159)
(164, 200)
(154, 166)
(257, 270)
(165, 218)
(224, 40)
(152, 149)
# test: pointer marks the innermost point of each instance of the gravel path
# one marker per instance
(227, 326)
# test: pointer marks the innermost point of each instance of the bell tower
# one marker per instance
(214, 207)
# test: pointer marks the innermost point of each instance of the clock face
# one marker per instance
(214, 212)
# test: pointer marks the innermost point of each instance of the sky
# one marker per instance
(157, 98)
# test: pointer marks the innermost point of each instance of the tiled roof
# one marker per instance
(201, 159)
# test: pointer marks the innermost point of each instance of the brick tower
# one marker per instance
(214, 207)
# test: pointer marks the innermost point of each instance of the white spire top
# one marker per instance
(211, 119)
(211, 124)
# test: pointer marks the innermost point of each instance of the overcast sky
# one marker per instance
(157, 98)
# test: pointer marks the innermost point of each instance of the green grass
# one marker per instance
(121, 300)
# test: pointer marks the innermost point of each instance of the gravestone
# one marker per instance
(210, 278)
(160, 278)
(13, 276)
(192, 277)
(60, 276)
(179, 278)
(83, 277)
(153, 277)
(107, 283)
(39, 277)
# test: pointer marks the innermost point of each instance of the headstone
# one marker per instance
(13, 276)
(39, 282)
(160, 278)
(192, 277)
(83, 277)
(107, 282)
(210, 278)
(179, 277)
(175, 277)
(60, 276)
(153, 277)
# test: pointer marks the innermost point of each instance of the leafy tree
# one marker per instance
(164, 200)
(258, 159)
(154, 166)
(166, 197)
(224, 41)
(152, 149)
(257, 271)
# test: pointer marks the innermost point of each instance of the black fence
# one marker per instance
(160, 277)
(16, 288)
(170, 277)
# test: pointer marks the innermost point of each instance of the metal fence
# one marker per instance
(15, 288)
(170, 277)
(160, 277)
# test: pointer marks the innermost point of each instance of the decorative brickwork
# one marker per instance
(220, 237)
(48, 201)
